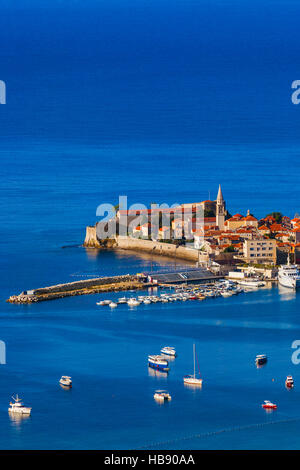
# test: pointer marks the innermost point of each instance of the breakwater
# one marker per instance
(83, 287)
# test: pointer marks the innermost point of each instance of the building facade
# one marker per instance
(259, 251)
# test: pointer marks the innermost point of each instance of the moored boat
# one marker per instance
(169, 351)
(103, 302)
(289, 381)
(66, 381)
(18, 407)
(261, 359)
(158, 362)
(268, 405)
(113, 305)
(193, 379)
(162, 395)
(253, 283)
(226, 293)
(289, 276)
(133, 302)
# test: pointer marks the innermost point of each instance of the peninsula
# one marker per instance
(202, 232)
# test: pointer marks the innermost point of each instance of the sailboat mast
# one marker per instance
(194, 361)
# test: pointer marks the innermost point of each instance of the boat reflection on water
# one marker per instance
(157, 373)
(286, 293)
(65, 387)
(17, 419)
(169, 358)
(260, 366)
(192, 386)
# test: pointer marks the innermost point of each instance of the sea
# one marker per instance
(158, 101)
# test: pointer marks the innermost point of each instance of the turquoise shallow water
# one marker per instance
(159, 101)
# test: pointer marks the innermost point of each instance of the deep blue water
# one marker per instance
(160, 101)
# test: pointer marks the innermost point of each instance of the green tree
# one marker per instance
(277, 216)
(229, 249)
(209, 213)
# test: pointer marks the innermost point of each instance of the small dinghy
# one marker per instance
(66, 381)
(268, 405)
(289, 382)
(113, 305)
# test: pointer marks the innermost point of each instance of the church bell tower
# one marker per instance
(220, 210)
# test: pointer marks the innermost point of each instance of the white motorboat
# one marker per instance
(122, 300)
(104, 302)
(169, 351)
(66, 381)
(162, 395)
(133, 302)
(289, 276)
(226, 293)
(193, 379)
(113, 305)
(253, 282)
(18, 407)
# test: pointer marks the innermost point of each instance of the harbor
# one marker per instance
(171, 293)
(112, 284)
(202, 283)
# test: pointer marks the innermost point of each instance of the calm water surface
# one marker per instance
(111, 404)
(159, 101)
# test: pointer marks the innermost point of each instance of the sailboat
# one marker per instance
(192, 379)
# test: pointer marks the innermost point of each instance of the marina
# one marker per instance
(117, 283)
(194, 291)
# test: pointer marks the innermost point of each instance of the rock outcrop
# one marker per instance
(91, 239)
